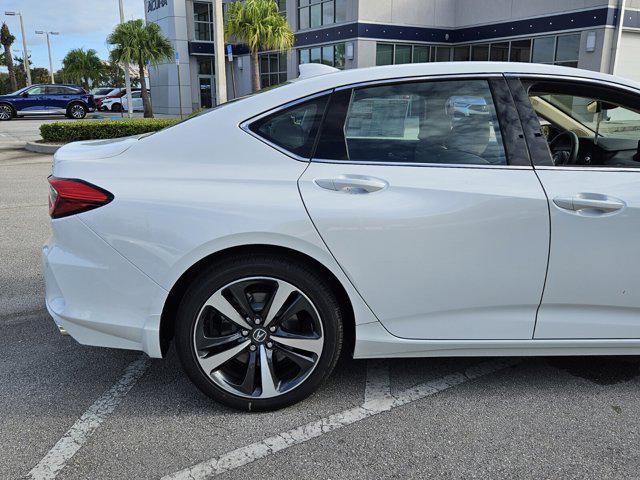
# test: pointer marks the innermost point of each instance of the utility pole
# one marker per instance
(615, 54)
(40, 32)
(218, 38)
(25, 54)
(127, 77)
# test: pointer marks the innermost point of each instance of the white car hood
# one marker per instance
(94, 149)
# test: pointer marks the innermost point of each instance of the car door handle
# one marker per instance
(590, 204)
(355, 184)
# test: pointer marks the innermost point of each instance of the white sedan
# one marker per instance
(358, 212)
(120, 104)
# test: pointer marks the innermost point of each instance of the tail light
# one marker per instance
(69, 196)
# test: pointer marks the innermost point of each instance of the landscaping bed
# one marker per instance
(63, 132)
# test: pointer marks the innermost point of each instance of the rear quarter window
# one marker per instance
(293, 129)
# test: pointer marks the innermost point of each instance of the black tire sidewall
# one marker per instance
(226, 272)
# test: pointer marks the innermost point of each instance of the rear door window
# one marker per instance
(448, 122)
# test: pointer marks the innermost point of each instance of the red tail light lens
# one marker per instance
(68, 196)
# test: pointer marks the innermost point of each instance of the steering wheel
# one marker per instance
(564, 148)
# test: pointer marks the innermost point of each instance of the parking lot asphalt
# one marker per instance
(76, 412)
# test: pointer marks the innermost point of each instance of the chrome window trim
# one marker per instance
(245, 124)
(428, 165)
(590, 169)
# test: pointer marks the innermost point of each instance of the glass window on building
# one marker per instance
(520, 51)
(499, 52)
(421, 53)
(282, 7)
(461, 53)
(568, 50)
(443, 54)
(206, 66)
(480, 53)
(543, 50)
(332, 55)
(206, 81)
(315, 13)
(403, 54)
(273, 69)
(203, 21)
(384, 54)
(395, 54)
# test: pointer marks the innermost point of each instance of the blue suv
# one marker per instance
(70, 100)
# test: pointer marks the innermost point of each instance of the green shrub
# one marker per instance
(101, 129)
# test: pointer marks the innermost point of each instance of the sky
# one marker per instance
(81, 23)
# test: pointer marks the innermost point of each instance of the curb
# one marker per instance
(42, 147)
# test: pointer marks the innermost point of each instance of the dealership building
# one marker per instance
(364, 33)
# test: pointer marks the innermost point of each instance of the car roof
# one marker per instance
(463, 68)
(304, 87)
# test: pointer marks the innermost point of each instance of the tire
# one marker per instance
(77, 111)
(116, 107)
(6, 112)
(240, 382)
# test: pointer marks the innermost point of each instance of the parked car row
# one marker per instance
(70, 100)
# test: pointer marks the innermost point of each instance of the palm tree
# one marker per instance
(80, 66)
(258, 24)
(7, 39)
(137, 43)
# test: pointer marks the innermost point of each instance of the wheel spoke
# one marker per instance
(213, 362)
(306, 344)
(223, 306)
(239, 295)
(269, 387)
(281, 295)
(248, 384)
(303, 361)
(206, 343)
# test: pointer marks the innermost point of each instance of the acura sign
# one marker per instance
(156, 4)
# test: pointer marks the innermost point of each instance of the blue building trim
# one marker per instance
(533, 26)
(632, 19)
(206, 48)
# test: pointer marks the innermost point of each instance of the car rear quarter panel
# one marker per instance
(197, 189)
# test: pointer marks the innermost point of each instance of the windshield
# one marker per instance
(614, 122)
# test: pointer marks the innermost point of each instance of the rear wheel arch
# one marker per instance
(169, 311)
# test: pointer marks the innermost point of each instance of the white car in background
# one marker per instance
(120, 104)
(349, 212)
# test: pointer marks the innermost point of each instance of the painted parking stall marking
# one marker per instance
(377, 400)
(72, 441)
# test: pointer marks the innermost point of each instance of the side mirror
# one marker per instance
(24, 94)
(597, 106)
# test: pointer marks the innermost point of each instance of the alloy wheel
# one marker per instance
(77, 111)
(258, 337)
(5, 112)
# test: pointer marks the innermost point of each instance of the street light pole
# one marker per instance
(40, 32)
(127, 77)
(218, 38)
(25, 55)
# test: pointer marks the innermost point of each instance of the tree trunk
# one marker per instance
(255, 71)
(146, 102)
(12, 73)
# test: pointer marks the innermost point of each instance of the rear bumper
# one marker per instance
(96, 295)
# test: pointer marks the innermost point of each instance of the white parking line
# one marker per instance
(56, 459)
(377, 393)
(373, 406)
